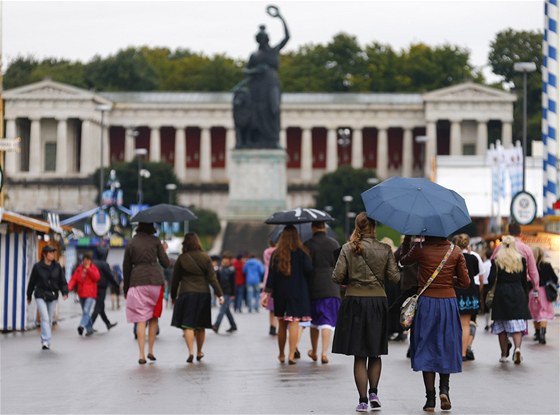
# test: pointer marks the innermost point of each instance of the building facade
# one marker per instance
(62, 138)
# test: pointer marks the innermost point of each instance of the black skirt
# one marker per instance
(361, 327)
(192, 311)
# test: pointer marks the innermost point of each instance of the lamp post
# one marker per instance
(103, 108)
(347, 200)
(140, 152)
(524, 67)
(344, 141)
(170, 188)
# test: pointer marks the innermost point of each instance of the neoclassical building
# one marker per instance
(61, 129)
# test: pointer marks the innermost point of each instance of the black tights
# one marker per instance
(366, 369)
(430, 381)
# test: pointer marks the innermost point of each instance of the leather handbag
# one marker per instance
(408, 308)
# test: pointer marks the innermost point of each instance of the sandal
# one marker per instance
(141, 361)
(151, 357)
(324, 360)
(190, 359)
(312, 356)
(199, 357)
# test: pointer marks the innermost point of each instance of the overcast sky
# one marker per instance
(79, 30)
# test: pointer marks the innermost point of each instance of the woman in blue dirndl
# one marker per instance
(436, 334)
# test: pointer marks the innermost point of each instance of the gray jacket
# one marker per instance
(364, 275)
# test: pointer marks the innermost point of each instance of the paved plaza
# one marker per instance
(241, 374)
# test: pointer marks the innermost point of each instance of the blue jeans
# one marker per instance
(87, 305)
(253, 294)
(46, 311)
(224, 309)
(239, 295)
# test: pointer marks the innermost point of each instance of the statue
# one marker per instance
(256, 99)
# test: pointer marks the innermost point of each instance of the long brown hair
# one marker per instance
(362, 226)
(288, 242)
(191, 243)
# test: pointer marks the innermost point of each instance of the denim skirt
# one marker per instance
(436, 336)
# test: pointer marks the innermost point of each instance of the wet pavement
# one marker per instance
(240, 374)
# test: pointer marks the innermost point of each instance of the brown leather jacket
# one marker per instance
(428, 255)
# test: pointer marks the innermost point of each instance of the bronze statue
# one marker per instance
(256, 99)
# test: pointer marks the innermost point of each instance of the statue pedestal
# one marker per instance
(257, 183)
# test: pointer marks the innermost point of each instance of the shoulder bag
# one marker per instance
(408, 309)
(551, 291)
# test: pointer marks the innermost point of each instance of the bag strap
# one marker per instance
(438, 269)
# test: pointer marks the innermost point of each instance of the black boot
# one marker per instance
(430, 405)
(542, 335)
(537, 336)
(444, 392)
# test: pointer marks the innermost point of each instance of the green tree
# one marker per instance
(128, 70)
(26, 70)
(511, 46)
(153, 188)
(207, 224)
(342, 182)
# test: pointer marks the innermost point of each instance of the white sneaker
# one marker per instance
(504, 359)
(45, 346)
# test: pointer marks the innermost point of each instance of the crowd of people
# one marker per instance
(354, 292)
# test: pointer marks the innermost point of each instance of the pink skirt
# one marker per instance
(541, 309)
(143, 303)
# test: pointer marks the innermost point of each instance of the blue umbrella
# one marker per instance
(415, 206)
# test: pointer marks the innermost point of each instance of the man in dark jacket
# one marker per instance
(106, 279)
(226, 278)
(46, 280)
(324, 293)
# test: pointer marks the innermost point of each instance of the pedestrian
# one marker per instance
(324, 293)
(393, 292)
(143, 285)
(272, 320)
(467, 298)
(45, 282)
(486, 266)
(543, 309)
(116, 291)
(193, 274)
(85, 278)
(526, 252)
(226, 278)
(361, 327)
(436, 334)
(290, 269)
(510, 307)
(106, 279)
(254, 273)
(238, 264)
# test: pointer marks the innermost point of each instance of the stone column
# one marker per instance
(407, 156)
(86, 149)
(284, 138)
(357, 148)
(11, 157)
(306, 155)
(382, 150)
(230, 146)
(180, 152)
(61, 147)
(430, 148)
(507, 134)
(332, 150)
(155, 144)
(129, 144)
(205, 155)
(35, 147)
(481, 138)
(456, 147)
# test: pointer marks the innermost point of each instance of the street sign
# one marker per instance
(101, 222)
(523, 208)
(9, 144)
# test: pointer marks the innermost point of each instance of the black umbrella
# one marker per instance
(164, 213)
(304, 230)
(298, 215)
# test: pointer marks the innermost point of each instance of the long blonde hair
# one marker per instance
(289, 241)
(508, 257)
(362, 226)
(538, 253)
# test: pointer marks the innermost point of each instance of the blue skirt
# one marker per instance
(436, 336)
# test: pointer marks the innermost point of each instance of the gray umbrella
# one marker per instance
(164, 213)
(298, 215)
